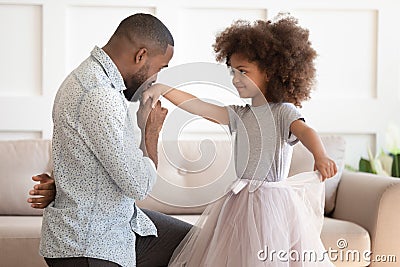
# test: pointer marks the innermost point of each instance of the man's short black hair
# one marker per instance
(147, 29)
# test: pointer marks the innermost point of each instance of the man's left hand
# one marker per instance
(46, 190)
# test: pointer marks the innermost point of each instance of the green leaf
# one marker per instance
(372, 162)
(350, 168)
(396, 165)
(364, 166)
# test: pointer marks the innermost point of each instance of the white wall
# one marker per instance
(357, 41)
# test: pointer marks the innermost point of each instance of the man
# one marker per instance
(99, 170)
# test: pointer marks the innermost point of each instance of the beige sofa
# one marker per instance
(362, 210)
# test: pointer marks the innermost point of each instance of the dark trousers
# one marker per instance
(151, 251)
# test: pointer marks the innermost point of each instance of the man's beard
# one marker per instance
(137, 84)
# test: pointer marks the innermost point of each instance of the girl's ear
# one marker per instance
(266, 77)
(141, 55)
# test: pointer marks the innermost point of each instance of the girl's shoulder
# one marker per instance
(240, 110)
(278, 109)
(283, 105)
(285, 110)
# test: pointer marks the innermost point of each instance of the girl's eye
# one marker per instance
(232, 71)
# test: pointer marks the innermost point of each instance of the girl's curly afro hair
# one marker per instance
(281, 49)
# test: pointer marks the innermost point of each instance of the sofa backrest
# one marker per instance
(19, 161)
(191, 175)
(302, 161)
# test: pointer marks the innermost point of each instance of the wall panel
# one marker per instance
(346, 43)
(199, 26)
(88, 26)
(21, 50)
(358, 87)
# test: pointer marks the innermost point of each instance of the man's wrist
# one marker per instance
(149, 145)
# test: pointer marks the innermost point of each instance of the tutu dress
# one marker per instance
(268, 219)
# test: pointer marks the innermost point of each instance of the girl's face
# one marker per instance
(248, 79)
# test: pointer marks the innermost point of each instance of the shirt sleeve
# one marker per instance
(102, 125)
(289, 114)
(235, 113)
(153, 174)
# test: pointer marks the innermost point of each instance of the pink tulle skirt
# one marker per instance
(279, 224)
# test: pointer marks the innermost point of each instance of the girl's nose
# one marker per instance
(235, 78)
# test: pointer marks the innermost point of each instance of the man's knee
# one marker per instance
(157, 251)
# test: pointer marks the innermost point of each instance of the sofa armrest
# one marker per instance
(372, 202)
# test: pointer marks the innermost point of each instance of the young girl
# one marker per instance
(267, 219)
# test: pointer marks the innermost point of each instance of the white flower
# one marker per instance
(393, 139)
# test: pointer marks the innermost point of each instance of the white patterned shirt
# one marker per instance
(99, 169)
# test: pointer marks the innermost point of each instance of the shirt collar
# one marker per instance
(109, 68)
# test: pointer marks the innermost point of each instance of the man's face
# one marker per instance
(147, 74)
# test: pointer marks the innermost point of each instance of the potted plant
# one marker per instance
(386, 163)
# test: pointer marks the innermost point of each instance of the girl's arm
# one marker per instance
(311, 140)
(187, 102)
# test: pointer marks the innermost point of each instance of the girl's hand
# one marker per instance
(326, 166)
(154, 92)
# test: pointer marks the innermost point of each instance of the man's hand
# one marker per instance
(150, 122)
(142, 114)
(151, 119)
(46, 189)
(156, 118)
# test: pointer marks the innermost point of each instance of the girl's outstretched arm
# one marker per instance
(311, 140)
(187, 102)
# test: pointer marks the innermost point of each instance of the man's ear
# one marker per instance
(141, 55)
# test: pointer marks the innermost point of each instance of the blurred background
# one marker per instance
(358, 89)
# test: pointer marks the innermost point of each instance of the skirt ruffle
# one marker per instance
(277, 225)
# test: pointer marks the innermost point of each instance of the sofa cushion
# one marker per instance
(20, 226)
(20, 160)
(19, 241)
(347, 241)
(303, 161)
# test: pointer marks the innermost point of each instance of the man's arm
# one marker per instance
(104, 126)
(43, 193)
(150, 122)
